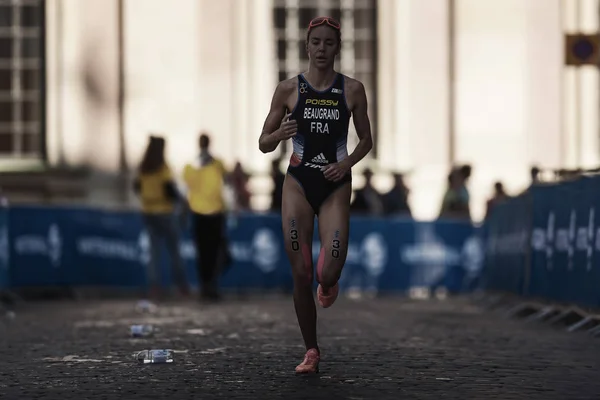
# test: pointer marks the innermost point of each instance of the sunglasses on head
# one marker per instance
(324, 20)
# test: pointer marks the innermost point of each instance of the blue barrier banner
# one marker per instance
(109, 249)
(463, 246)
(256, 246)
(565, 264)
(39, 250)
(371, 263)
(400, 254)
(52, 246)
(592, 264)
(561, 261)
(542, 240)
(585, 273)
(564, 219)
(507, 246)
(573, 286)
(4, 249)
(593, 242)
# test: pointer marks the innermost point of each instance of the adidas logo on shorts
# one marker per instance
(317, 162)
(320, 159)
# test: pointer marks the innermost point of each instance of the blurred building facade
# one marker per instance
(21, 87)
(449, 81)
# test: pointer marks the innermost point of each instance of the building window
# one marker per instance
(359, 42)
(21, 78)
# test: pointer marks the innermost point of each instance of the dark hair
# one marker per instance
(204, 141)
(338, 32)
(465, 171)
(154, 156)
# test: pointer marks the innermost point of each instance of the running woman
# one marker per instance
(318, 180)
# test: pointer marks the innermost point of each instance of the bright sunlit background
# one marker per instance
(449, 81)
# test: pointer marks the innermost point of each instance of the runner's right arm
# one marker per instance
(278, 126)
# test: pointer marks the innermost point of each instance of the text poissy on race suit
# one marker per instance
(320, 115)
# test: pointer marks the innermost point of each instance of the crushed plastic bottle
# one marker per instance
(139, 331)
(146, 306)
(155, 356)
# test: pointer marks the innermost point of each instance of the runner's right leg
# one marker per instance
(298, 224)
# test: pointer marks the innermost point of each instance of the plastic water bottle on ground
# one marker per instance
(139, 331)
(155, 357)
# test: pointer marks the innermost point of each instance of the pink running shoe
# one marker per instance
(327, 300)
(310, 365)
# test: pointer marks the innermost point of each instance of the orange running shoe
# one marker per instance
(327, 300)
(310, 365)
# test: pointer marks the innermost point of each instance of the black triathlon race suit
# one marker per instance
(323, 118)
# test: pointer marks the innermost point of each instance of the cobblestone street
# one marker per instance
(389, 348)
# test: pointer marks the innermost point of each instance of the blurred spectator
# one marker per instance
(534, 173)
(205, 179)
(278, 177)
(239, 182)
(455, 204)
(367, 200)
(499, 196)
(158, 194)
(465, 173)
(396, 200)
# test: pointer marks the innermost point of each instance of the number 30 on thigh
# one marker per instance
(335, 248)
(294, 237)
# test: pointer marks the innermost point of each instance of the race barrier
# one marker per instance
(78, 247)
(545, 244)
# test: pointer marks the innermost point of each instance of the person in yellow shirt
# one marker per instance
(159, 197)
(205, 179)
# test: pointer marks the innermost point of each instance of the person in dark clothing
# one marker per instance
(498, 197)
(367, 200)
(395, 201)
(205, 179)
(455, 203)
